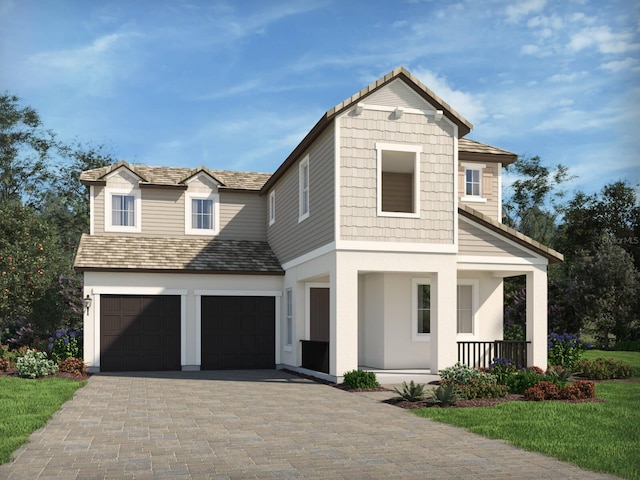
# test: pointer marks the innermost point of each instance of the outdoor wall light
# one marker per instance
(86, 301)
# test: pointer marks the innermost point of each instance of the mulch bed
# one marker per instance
(477, 402)
(70, 376)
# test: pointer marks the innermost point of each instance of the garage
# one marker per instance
(238, 332)
(139, 333)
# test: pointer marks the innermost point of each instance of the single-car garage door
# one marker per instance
(238, 332)
(139, 333)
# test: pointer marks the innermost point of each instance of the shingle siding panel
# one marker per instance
(490, 176)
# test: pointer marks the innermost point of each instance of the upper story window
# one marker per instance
(303, 194)
(201, 215)
(398, 180)
(122, 210)
(272, 207)
(473, 182)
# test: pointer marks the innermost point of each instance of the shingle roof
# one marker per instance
(472, 150)
(510, 233)
(186, 255)
(174, 176)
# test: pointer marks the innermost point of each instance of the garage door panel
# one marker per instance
(139, 332)
(238, 332)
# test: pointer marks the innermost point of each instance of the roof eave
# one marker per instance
(503, 159)
(176, 270)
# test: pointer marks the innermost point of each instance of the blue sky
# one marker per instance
(237, 84)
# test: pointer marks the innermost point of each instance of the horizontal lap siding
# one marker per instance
(288, 238)
(358, 170)
(242, 216)
(98, 210)
(162, 212)
(475, 241)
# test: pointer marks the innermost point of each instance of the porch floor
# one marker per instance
(397, 376)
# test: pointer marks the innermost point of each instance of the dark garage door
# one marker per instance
(238, 332)
(139, 333)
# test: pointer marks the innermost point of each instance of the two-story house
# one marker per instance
(377, 243)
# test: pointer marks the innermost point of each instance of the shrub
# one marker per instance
(462, 374)
(603, 369)
(73, 365)
(565, 349)
(542, 391)
(411, 392)
(5, 365)
(446, 394)
(65, 344)
(578, 390)
(360, 379)
(502, 368)
(35, 364)
(483, 387)
(627, 346)
(557, 373)
(524, 379)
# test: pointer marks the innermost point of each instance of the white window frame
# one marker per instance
(108, 210)
(475, 292)
(479, 167)
(272, 207)
(303, 194)
(394, 147)
(288, 320)
(188, 212)
(420, 337)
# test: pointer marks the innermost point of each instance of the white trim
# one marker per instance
(198, 339)
(109, 192)
(359, 107)
(238, 293)
(417, 171)
(313, 254)
(307, 305)
(272, 207)
(301, 194)
(188, 204)
(183, 329)
(137, 291)
(91, 210)
(455, 186)
(488, 260)
(288, 301)
(473, 165)
(276, 318)
(473, 199)
(475, 307)
(415, 336)
(96, 330)
(396, 246)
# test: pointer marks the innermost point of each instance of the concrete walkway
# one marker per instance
(258, 424)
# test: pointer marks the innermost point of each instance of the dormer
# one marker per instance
(122, 200)
(201, 203)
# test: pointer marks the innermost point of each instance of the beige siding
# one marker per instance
(472, 240)
(288, 237)
(98, 210)
(358, 173)
(162, 212)
(242, 216)
(398, 94)
(490, 186)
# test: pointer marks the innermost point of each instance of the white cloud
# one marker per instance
(568, 77)
(603, 39)
(470, 106)
(530, 49)
(521, 9)
(93, 68)
(616, 66)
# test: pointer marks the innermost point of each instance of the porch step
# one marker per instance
(396, 377)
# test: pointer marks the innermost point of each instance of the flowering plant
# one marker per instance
(35, 364)
(565, 349)
(65, 344)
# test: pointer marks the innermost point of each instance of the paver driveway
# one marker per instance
(258, 424)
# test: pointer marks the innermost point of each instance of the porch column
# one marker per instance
(537, 317)
(444, 349)
(343, 344)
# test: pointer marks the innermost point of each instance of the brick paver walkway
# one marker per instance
(259, 424)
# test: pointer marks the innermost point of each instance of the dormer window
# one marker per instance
(473, 182)
(201, 215)
(122, 210)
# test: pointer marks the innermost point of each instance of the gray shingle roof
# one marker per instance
(176, 176)
(472, 150)
(187, 255)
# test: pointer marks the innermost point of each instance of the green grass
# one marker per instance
(603, 437)
(630, 357)
(26, 405)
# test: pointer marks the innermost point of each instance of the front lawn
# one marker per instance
(26, 405)
(602, 437)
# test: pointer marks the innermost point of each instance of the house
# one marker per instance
(377, 243)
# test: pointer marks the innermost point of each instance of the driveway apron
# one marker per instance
(256, 424)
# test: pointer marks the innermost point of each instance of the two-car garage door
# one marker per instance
(142, 333)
